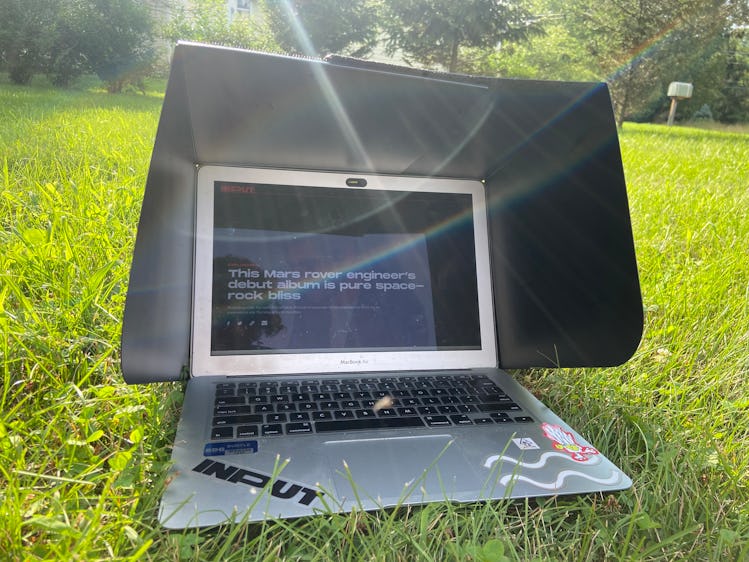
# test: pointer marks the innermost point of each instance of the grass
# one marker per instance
(81, 453)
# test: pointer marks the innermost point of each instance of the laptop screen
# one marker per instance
(318, 272)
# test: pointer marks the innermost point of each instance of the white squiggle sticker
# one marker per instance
(540, 463)
(561, 477)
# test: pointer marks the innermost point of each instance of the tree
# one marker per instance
(642, 45)
(65, 59)
(554, 55)
(207, 21)
(433, 32)
(320, 27)
(65, 38)
(117, 40)
(734, 105)
(23, 36)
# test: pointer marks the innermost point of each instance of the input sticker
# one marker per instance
(230, 448)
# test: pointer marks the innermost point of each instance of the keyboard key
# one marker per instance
(427, 410)
(272, 429)
(234, 420)
(299, 416)
(466, 408)
(496, 398)
(501, 417)
(275, 418)
(231, 410)
(222, 433)
(301, 427)
(447, 409)
(494, 407)
(227, 400)
(524, 419)
(367, 423)
(322, 415)
(436, 421)
(343, 414)
(409, 411)
(247, 431)
(461, 419)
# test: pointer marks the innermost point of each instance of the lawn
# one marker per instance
(82, 454)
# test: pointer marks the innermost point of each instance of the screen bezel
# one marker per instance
(205, 364)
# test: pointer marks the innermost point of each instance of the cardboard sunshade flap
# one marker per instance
(564, 273)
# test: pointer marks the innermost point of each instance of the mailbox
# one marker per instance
(680, 90)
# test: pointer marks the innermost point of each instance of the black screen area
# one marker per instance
(303, 269)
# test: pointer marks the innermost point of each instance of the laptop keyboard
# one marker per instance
(293, 406)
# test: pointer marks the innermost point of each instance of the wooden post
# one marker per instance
(672, 112)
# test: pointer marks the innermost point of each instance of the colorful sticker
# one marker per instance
(525, 444)
(564, 441)
(229, 448)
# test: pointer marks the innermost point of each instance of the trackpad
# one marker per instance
(425, 467)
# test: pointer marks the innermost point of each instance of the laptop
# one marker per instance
(344, 356)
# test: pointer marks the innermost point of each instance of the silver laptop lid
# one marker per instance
(301, 272)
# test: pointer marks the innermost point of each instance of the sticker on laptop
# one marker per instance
(257, 481)
(565, 442)
(525, 443)
(230, 448)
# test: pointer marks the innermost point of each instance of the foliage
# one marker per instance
(642, 45)
(733, 103)
(320, 27)
(637, 46)
(66, 59)
(553, 55)
(116, 40)
(83, 456)
(66, 38)
(23, 36)
(433, 32)
(207, 21)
